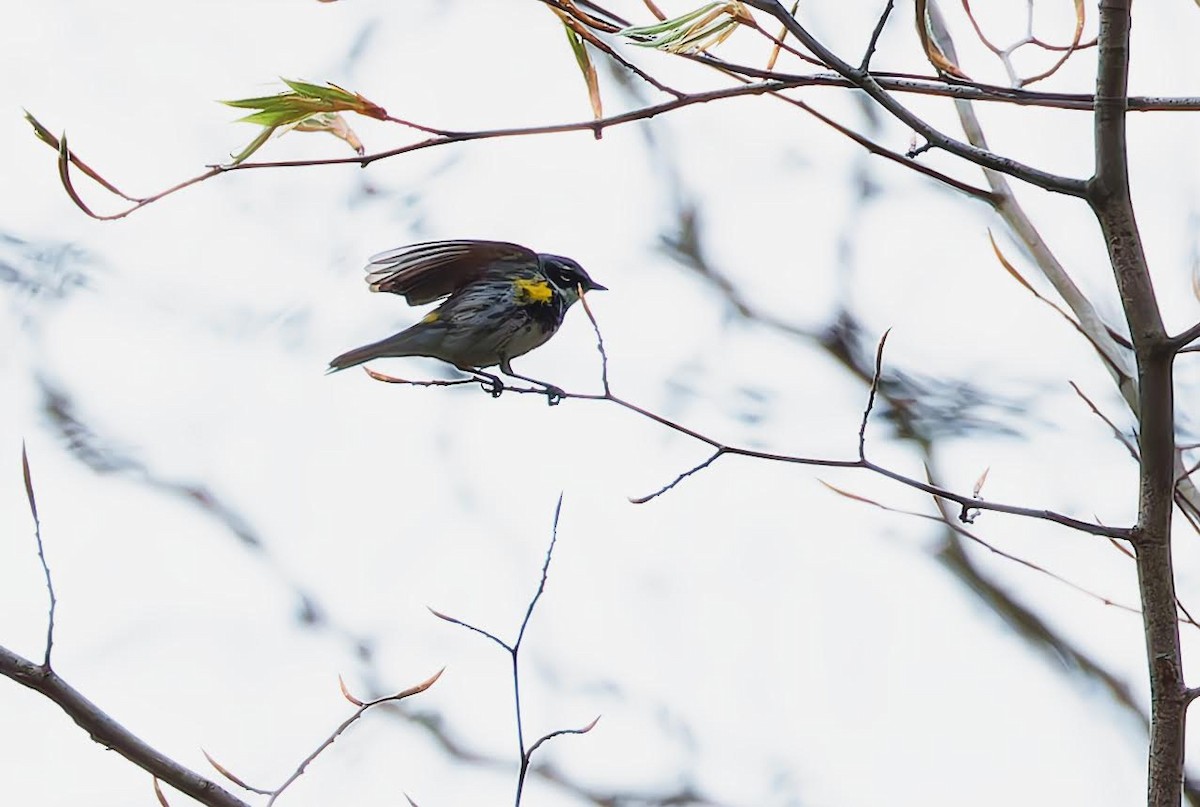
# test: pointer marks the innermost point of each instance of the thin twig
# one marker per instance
(720, 449)
(541, 589)
(587, 308)
(347, 723)
(866, 82)
(862, 429)
(514, 651)
(716, 455)
(995, 550)
(560, 732)
(865, 65)
(1130, 446)
(455, 621)
(41, 553)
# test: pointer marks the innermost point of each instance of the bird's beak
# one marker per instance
(594, 286)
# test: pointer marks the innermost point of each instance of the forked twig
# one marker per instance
(347, 723)
(363, 708)
(514, 650)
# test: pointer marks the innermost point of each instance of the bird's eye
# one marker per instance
(563, 275)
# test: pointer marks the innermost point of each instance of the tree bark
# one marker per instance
(1109, 196)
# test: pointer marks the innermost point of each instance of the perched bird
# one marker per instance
(502, 301)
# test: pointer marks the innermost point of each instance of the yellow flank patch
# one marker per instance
(431, 317)
(533, 291)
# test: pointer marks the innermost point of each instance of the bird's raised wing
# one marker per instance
(425, 272)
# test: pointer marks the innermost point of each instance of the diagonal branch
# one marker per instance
(108, 732)
(867, 83)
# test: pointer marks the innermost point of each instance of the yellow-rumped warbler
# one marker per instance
(503, 300)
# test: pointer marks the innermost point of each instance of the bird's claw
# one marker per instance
(491, 385)
(554, 395)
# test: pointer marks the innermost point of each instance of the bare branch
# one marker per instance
(995, 550)
(967, 502)
(514, 651)
(716, 455)
(110, 734)
(347, 723)
(469, 626)
(587, 308)
(867, 83)
(1120, 435)
(237, 780)
(561, 732)
(865, 65)
(970, 502)
(1180, 343)
(862, 429)
(41, 553)
(537, 595)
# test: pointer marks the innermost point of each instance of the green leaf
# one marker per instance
(305, 107)
(584, 60)
(697, 30)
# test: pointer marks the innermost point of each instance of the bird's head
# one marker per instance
(567, 275)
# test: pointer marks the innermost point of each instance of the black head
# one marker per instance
(567, 274)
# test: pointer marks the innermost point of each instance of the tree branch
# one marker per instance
(107, 732)
(41, 553)
(866, 82)
(1108, 194)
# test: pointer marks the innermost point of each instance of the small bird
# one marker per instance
(502, 301)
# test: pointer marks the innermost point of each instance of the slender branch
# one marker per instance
(561, 732)
(720, 449)
(944, 520)
(862, 429)
(41, 553)
(541, 589)
(967, 503)
(363, 707)
(1180, 343)
(906, 160)
(867, 83)
(583, 29)
(486, 634)
(957, 89)
(865, 65)
(970, 502)
(774, 84)
(695, 469)
(1130, 446)
(587, 308)
(514, 650)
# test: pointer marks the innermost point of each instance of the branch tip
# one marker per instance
(346, 692)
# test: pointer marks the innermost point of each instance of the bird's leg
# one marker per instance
(554, 395)
(491, 384)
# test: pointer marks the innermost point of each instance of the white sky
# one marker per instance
(750, 632)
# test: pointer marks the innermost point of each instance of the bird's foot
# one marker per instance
(490, 384)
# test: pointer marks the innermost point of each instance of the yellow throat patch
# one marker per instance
(533, 291)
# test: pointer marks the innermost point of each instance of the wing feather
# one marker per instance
(425, 272)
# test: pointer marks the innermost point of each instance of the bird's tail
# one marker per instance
(375, 350)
